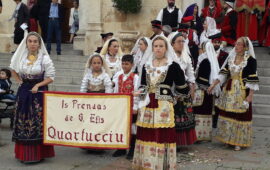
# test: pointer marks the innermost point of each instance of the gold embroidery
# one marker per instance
(203, 79)
(181, 87)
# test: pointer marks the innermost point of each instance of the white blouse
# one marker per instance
(102, 79)
(113, 66)
(42, 64)
(188, 69)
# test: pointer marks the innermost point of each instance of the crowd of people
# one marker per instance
(46, 17)
(188, 86)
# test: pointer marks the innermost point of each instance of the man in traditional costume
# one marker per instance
(171, 15)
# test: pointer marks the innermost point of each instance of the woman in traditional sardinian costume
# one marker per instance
(96, 76)
(205, 74)
(156, 136)
(240, 79)
(112, 54)
(33, 70)
(210, 28)
(142, 45)
(184, 117)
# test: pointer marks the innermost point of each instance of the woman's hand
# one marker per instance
(249, 98)
(35, 88)
(210, 89)
(192, 90)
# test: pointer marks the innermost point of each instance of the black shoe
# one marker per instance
(49, 52)
(130, 155)
(58, 53)
(119, 153)
(13, 52)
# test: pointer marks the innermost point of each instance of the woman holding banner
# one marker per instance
(33, 70)
(156, 136)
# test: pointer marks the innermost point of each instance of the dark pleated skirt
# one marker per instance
(28, 126)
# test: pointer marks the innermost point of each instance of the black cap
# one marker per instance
(183, 27)
(104, 35)
(215, 36)
(156, 24)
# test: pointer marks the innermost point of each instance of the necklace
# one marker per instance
(32, 59)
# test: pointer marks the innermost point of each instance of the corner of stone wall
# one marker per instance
(6, 43)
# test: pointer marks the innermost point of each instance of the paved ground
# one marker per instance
(204, 156)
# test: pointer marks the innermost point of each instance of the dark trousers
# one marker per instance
(43, 23)
(54, 27)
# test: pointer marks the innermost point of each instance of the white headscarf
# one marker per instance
(105, 48)
(170, 54)
(137, 53)
(211, 30)
(210, 53)
(249, 46)
(250, 51)
(104, 66)
(23, 51)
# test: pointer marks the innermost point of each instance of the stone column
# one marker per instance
(90, 26)
(84, 7)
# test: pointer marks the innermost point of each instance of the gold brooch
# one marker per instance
(32, 59)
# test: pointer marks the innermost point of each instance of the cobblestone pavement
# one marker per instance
(204, 156)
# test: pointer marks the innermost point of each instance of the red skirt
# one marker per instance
(186, 137)
(33, 152)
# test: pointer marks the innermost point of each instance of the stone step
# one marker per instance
(261, 99)
(261, 120)
(264, 72)
(263, 63)
(70, 72)
(71, 57)
(261, 109)
(64, 87)
(57, 64)
(57, 87)
(67, 80)
(264, 80)
(264, 89)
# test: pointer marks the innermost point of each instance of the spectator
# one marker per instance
(21, 15)
(43, 7)
(33, 11)
(54, 25)
(74, 20)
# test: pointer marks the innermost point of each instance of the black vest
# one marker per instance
(170, 19)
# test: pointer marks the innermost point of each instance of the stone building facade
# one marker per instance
(97, 16)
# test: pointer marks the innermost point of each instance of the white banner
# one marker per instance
(87, 120)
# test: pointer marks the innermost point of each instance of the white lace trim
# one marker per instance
(252, 86)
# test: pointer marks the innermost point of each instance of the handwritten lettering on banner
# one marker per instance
(87, 120)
